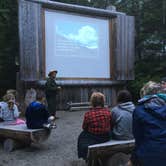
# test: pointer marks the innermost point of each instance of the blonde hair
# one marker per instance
(11, 91)
(97, 99)
(150, 88)
(8, 97)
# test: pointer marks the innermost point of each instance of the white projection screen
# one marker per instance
(76, 45)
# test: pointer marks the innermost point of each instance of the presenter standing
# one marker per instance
(51, 90)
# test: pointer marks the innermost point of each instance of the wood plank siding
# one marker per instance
(32, 51)
(124, 58)
(30, 35)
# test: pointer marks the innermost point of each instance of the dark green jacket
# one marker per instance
(50, 88)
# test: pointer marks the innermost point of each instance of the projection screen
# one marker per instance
(76, 45)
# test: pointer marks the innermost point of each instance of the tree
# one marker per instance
(8, 41)
(150, 19)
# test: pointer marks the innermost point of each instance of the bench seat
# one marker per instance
(108, 149)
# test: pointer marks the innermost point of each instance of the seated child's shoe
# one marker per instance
(53, 126)
(51, 119)
(56, 117)
(47, 125)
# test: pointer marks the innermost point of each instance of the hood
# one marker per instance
(128, 106)
(155, 105)
(35, 104)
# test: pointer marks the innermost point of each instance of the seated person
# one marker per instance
(14, 93)
(36, 114)
(9, 110)
(96, 125)
(149, 127)
(122, 116)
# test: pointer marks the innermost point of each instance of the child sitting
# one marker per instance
(37, 115)
(9, 110)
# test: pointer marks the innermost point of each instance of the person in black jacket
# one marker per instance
(36, 113)
(51, 90)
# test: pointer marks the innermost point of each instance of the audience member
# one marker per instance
(37, 115)
(9, 110)
(122, 116)
(13, 92)
(96, 125)
(149, 127)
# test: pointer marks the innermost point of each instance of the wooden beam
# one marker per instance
(77, 8)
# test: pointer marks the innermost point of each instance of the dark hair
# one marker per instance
(40, 95)
(163, 79)
(97, 99)
(124, 96)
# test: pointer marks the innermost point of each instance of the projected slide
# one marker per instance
(73, 37)
(77, 46)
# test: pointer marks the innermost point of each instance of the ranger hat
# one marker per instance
(51, 72)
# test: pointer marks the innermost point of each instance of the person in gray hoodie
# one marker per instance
(122, 116)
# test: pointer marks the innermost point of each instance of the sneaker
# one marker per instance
(53, 126)
(56, 117)
(51, 119)
(47, 125)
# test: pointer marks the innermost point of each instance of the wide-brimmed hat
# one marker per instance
(51, 72)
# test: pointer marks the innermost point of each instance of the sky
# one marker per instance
(85, 35)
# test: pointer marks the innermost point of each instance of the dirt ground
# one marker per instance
(59, 150)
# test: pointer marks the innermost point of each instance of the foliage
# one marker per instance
(150, 19)
(8, 41)
(150, 68)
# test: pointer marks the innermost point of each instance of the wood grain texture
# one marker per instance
(30, 36)
(32, 52)
(22, 133)
(108, 149)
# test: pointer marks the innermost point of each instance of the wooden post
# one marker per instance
(111, 153)
(118, 159)
(10, 144)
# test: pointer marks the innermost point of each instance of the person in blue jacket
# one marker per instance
(37, 116)
(149, 127)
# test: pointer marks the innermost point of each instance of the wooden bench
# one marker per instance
(111, 153)
(80, 106)
(15, 136)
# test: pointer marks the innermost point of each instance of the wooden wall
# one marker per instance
(82, 94)
(79, 93)
(30, 36)
(32, 51)
(124, 57)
